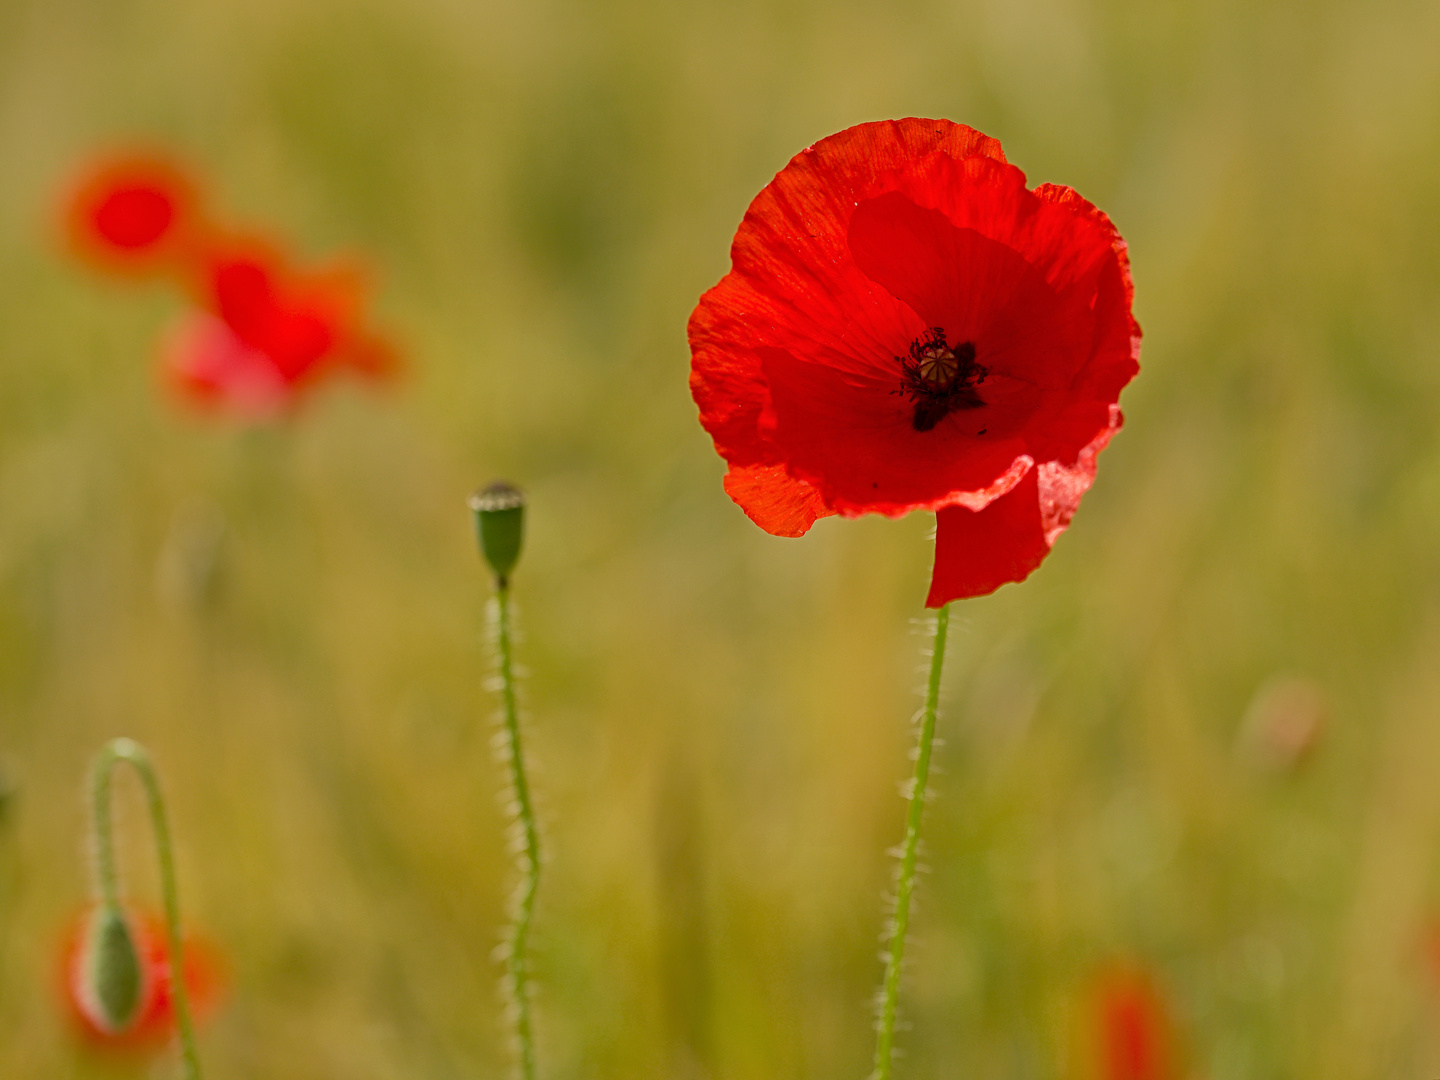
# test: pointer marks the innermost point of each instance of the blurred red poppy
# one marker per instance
(133, 214)
(153, 1021)
(1134, 1034)
(1430, 945)
(271, 331)
(907, 327)
(212, 366)
(264, 331)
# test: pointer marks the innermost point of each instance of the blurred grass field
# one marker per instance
(292, 617)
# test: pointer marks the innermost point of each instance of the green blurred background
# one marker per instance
(292, 617)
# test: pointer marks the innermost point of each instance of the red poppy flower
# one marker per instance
(152, 1021)
(907, 327)
(1133, 1029)
(132, 214)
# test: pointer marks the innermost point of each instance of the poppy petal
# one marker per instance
(977, 288)
(1038, 281)
(853, 440)
(774, 500)
(978, 551)
(1061, 486)
(1115, 358)
(793, 285)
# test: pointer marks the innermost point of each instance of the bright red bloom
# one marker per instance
(1134, 1033)
(132, 214)
(154, 1020)
(907, 327)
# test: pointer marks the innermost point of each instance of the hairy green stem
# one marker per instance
(905, 885)
(135, 755)
(527, 857)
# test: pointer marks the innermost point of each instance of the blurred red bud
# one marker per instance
(1283, 723)
(1133, 1033)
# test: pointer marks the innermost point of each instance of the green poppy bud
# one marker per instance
(499, 526)
(110, 973)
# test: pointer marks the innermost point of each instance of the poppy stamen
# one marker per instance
(939, 379)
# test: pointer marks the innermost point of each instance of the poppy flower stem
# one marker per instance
(527, 851)
(108, 879)
(905, 882)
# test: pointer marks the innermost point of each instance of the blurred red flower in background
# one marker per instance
(268, 332)
(132, 214)
(907, 327)
(263, 332)
(153, 1023)
(1133, 1029)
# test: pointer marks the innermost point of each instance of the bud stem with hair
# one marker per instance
(905, 882)
(108, 879)
(499, 526)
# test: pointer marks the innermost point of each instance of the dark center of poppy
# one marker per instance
(939, 378)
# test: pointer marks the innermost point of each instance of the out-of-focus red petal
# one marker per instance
(212, 367)
(132, 214)
(371, 355)
(134, 217)
(978, 551)
(298, 321)
(1134, 1030)
(775, 500)
(202, 969)
(278, 328)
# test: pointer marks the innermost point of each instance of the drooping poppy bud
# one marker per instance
(499, 526)
(133, 980)
(108, 979)
(95, 979)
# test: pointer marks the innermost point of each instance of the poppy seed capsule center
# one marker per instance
(939, 379)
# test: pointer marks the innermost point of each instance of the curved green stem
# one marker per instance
(131, 752)
(905, 886)
(527, 858)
